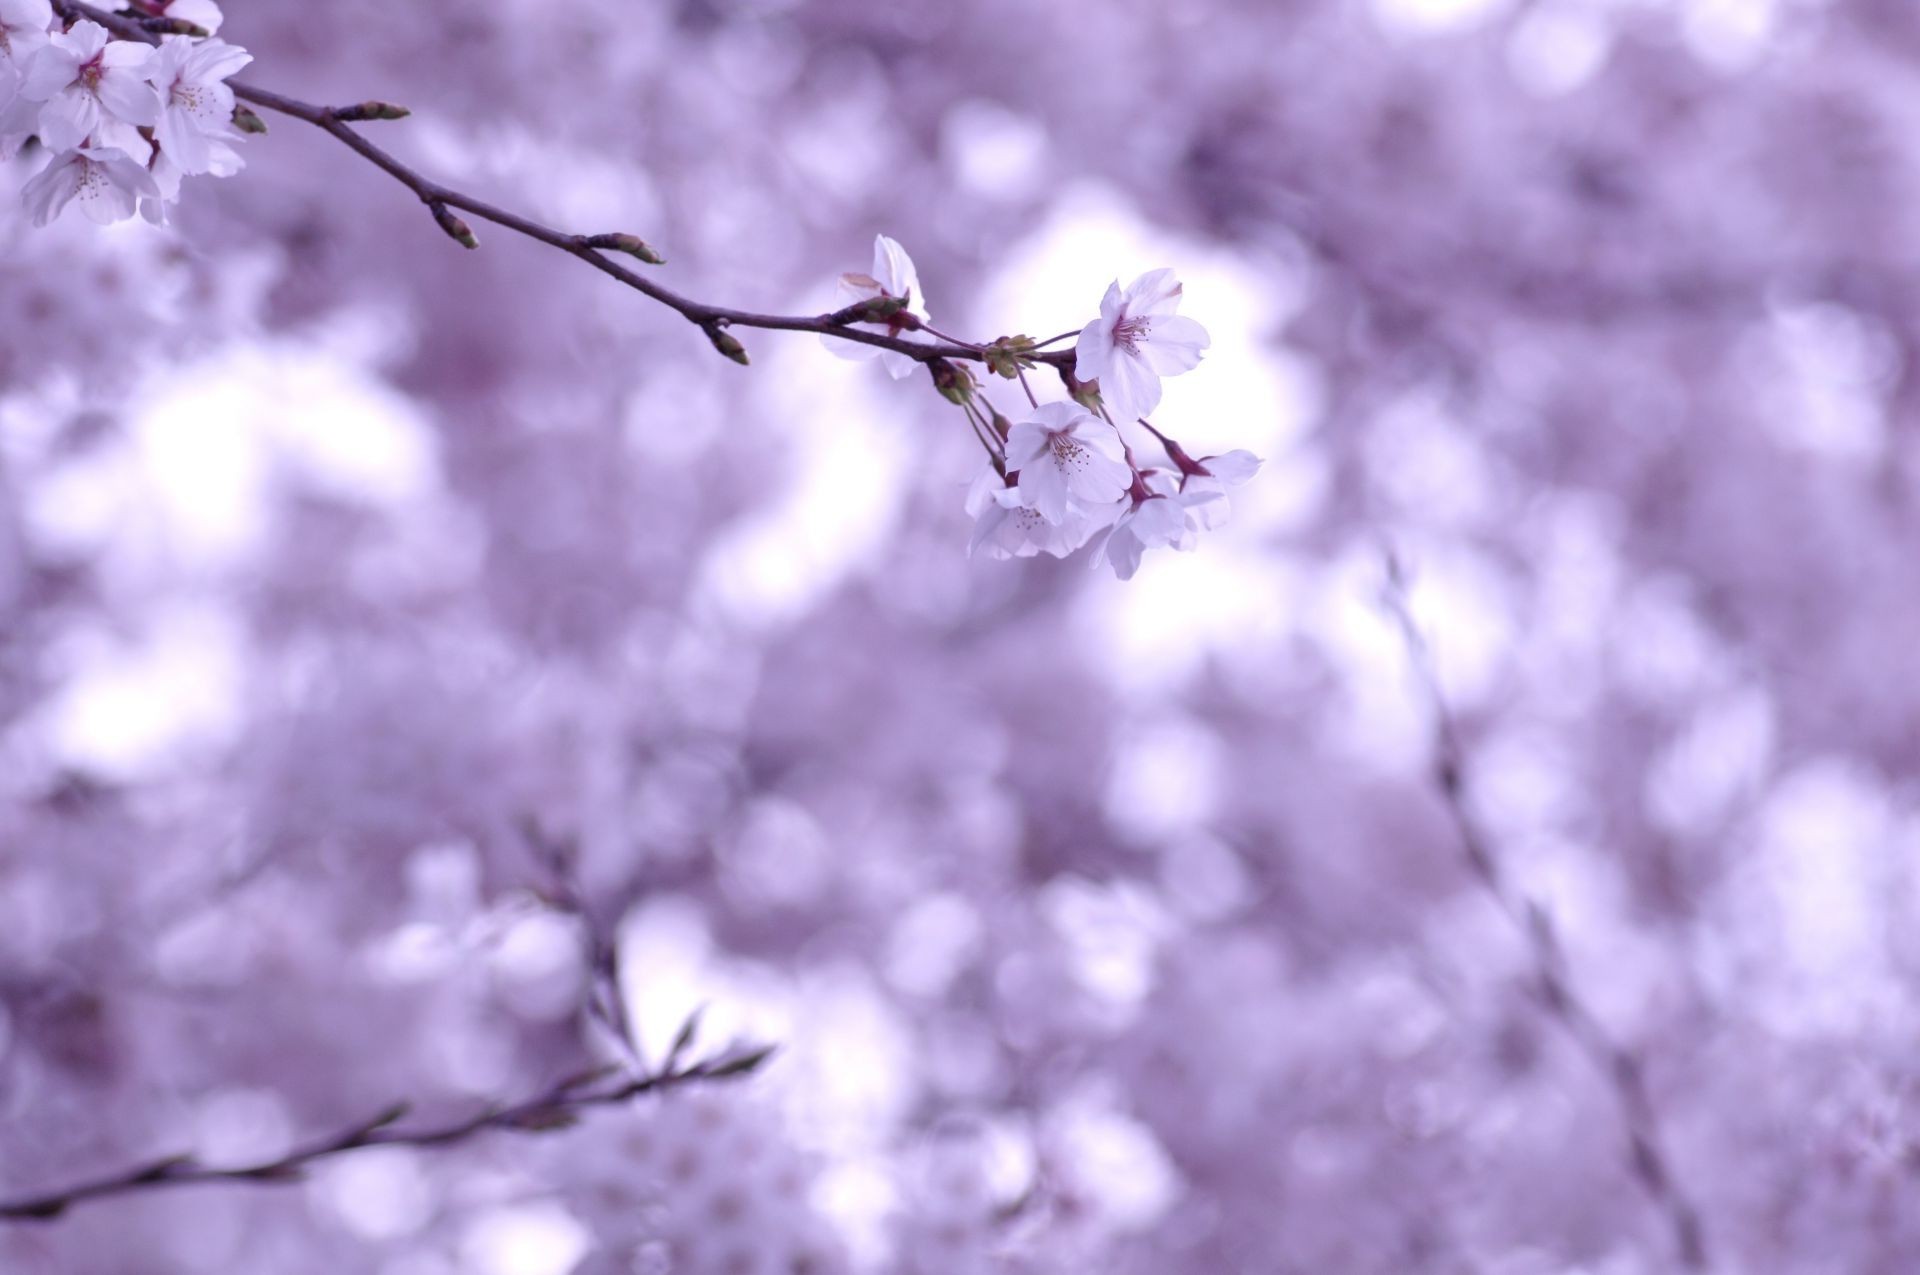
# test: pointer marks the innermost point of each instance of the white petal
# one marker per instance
(83, 39)
(49, 71)
(1026, 442)
(1154, 293)
(53, 188)
(1130, 389)
(1044, 488)
(1174, 344)
(1120, 549)
(66, 121)
(895, 270)
(130, 96)
(26, 14)
(213, 60)
(1233, 468)
(1093, 350)
(181, 138)
(1092, 432)
(852, 351)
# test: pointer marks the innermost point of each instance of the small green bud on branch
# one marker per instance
(632, 245)
(726, 343)
(456, 229)
(369, 111)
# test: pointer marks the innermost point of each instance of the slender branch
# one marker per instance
(439, 199)
(1617, 1064)
(559, 1106)
(605, 1004)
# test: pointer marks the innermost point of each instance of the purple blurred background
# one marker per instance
(1102, 927)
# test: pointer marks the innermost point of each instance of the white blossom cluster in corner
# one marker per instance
(122, 122)
(1064, 476)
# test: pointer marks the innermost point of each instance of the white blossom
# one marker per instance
(108, 183)
(204, 14)
(24, 25)
(1137, 340)
(1066, 455)
(88, 82)
(196, 105)
(893, 276)
(1005, 527)
(1151, 521)
(1204, 485)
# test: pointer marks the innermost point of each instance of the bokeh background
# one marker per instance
(1102, 927)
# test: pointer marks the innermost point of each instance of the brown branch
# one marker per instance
(557, 1107)
(1651, 1164)
(440, 199)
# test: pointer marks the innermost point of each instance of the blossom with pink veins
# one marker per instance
(108, 183)
(196, 104)
(86, 80)
(1066, 456)
(1005, 527)
(1137, 340)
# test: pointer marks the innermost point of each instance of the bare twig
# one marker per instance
(441, 200)
(1561, 999)
(605, 1004)
(559, 1106)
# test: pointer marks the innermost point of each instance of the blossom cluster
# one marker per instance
(123, 122)
(1065, 476)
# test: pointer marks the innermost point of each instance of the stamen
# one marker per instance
(1131, 330)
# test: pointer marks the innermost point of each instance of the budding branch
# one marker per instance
(439, 199)
(1651, 1163)
(557, 1107)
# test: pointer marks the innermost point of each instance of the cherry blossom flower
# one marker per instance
(87, 80)
(1137, 340)
(1065, 455)
(223, 161)
(1151, 521)
(23, 30)
(204, 14)
(893, 276)
(1203, 484)
(1005, 527)
(108, 183)
(196, 105)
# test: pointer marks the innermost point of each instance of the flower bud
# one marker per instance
(456, 229)
(1008, 355)
(247, 121)
(632, 245)
(1085, 393)
(954, 383)
(370, 111)
(727, 344)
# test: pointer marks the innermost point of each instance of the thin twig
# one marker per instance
(605, 1004)
(439, 199)
(557, 1107)
(1617, 1064)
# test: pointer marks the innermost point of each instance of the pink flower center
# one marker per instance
(91, 70)
(1131, 330)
